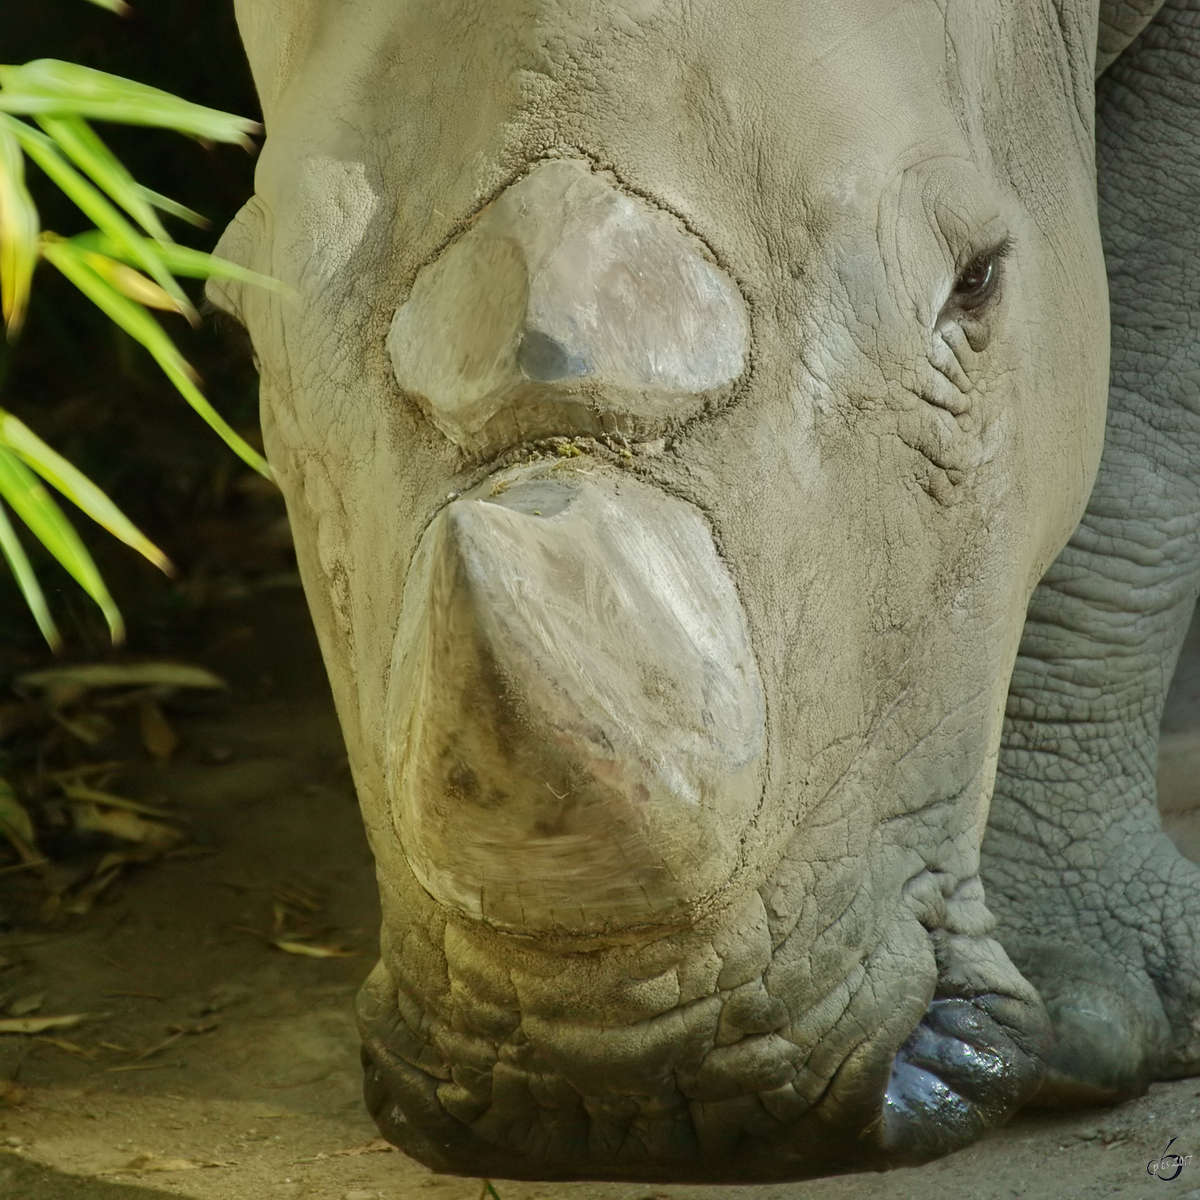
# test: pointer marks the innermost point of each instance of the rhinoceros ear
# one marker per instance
(275, 34)
(1120, 22)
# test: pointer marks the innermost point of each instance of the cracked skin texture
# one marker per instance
(893, 473)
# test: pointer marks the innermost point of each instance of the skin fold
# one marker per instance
(677, 408)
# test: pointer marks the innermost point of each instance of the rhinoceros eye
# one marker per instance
(979, 281)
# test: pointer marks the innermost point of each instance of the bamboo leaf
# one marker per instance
(167, 205)
(79, 141)
(311, 950)
(182, 260)
(118, 6)
(39, 1024)
(32, 503)
(18, 233)
(18, 562)
(14, 815)
(131, 283)
(97, 676)
(50, 87)
(71, 261)
(78, 791)
(77, 488)
(95, 205)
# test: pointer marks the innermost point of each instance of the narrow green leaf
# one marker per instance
(77, 488)
(118, 6)
(167, 205)
(32, 503)
(52, 87)
(130, 283)
(145, 252)
(183, 260)
(71, 261)
(18, 233)
(13, 813)
(18, 562)
(79, 141)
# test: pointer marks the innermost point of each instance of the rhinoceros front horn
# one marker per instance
(575, 711)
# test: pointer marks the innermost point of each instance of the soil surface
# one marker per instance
(214, 1064)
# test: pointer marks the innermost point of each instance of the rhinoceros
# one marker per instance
(687, 412)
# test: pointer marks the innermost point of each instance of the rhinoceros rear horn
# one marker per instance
(576, 716)
(568, 305)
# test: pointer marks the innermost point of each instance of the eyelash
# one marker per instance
(991, 261)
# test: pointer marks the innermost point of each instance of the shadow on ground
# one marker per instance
(212, 1064)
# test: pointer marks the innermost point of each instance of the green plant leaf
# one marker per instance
(51, 87)
(130, 283)
(77, 487)
(18, 233)
(145, 252)
(79, 141)
(183, 260)
(32, 503)
(18, 562)
(167, 205)
(71, 260)
(118, 6)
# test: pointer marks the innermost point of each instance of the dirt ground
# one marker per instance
(214, 1065)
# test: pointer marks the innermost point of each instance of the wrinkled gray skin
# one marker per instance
(672, 455)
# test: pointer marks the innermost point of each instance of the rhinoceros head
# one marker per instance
(676, 407)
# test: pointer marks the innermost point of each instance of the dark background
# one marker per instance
(95, 395)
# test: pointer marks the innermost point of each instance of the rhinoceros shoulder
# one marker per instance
(1120, 22)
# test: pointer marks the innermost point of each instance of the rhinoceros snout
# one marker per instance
(576, 716)
(568, 306)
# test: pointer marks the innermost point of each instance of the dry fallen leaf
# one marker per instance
(81, 771)
(107, 675)
(12, 811)
(91, 728)
(12, 1093)
(74, 790)
(79, 903)
(374, 1146)
(160, 740)
(124, 824)
(311, 950)
(39, 1024)
(26, 1005)
(170, 1041)
(69, 1047)
(150, 1162)
(17, 826)
(296, 895)
(175, 1032)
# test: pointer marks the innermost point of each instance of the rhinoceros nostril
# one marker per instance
(566, 286)
(576, 717)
